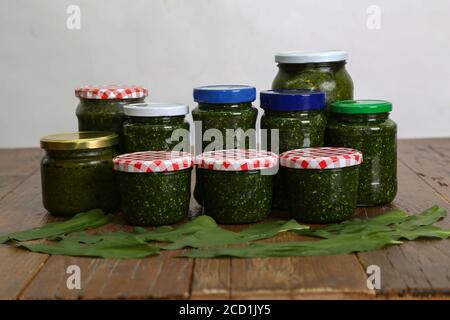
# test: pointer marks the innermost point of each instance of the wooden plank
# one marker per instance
(430, 159)
(418, 268)
(20, 209)
(298, 277)
(16, 165)
(211, 279)
(161, 277)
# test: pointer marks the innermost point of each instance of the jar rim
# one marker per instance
(79, 140)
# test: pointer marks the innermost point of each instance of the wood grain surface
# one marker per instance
(415, 269)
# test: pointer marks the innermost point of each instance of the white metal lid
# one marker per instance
(311, 56)
(155, 109)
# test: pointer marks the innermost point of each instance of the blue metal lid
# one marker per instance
(224, 94)
(292, 100)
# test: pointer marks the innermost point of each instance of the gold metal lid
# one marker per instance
(79, 140)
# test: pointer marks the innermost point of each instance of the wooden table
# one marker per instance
(415, 269)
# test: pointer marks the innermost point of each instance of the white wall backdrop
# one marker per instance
(170, 46)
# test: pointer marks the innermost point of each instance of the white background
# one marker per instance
(171, 46)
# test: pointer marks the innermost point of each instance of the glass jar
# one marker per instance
(299, 117)
(365, 125)
(226, 116)
(101, 107)
(155, 186)
(156, 126)
(321, 183)
(236, 185)
(318, 70)
(77, 173)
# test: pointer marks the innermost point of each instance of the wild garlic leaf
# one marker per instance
(81, 221)
(219, 237)
(340, 244)
(169, 234)
(116, 245)
(425, 218)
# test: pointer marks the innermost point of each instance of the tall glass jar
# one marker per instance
(101, 107)
(227, 117)
(365, 125)
(299, 116)
(77, 172)
(318, 70)
(156, 126)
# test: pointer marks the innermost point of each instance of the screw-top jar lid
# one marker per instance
(292, 100)
(224, 94)
(111, 92)
(236, 160)
(311, 56)
(153, 161)
(79, 140)
(155, 109)
(361, 106)
(321, 158)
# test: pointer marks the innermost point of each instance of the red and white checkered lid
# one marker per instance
(111, 92)
(321, 158)
(236, 160)
(153, 161)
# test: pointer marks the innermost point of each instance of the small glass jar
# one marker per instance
(77, 172)
(299, 116)
(227, 117)
(236, 185)
(156, 126)
(101, 107)
(155, 186)
(321, 183)
(365, 125)
(318, 70)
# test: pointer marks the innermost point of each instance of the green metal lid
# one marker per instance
(361, 106)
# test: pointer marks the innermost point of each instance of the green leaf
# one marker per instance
(84, 220)
(117, 245)
(422, 232)
(425, 218)
(379, 223)
(219, 237)
(169, 234)
(340, 244)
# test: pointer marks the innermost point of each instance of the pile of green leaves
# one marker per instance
(209, 240)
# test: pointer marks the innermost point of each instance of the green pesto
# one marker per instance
(155, 198)
(235, 196)
(329, 77)
(297, 129)
(153, 133)
(227, 116)
(375, 136)
(103, 115)
(321, 196)
(79, 180)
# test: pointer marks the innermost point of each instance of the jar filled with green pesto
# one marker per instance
(236, 184)
(298, 116)
(155, 186)
(321, 183)
(225, 117)
(77, 172)
(101, 107)
(318, 70)
(365, 125)
(156, 126)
